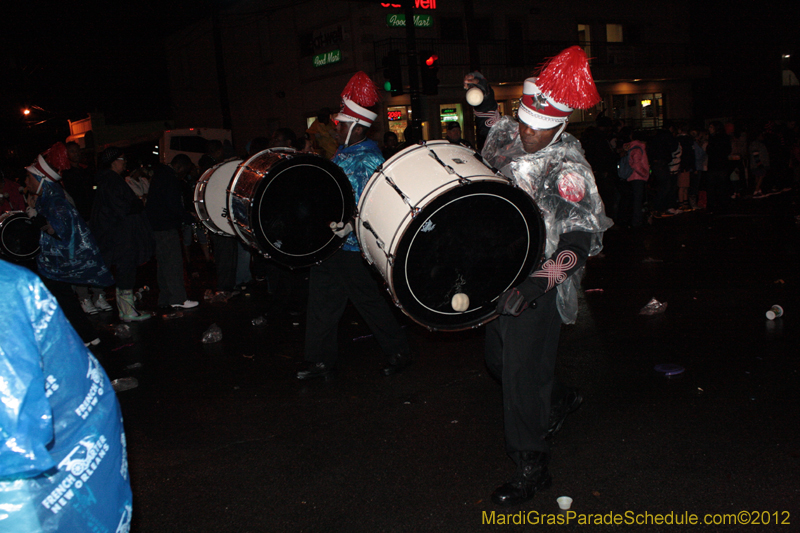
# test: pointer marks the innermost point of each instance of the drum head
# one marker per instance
(479, 239)
(294, 205)
(19, 238)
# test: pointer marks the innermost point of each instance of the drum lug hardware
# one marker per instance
(378, 240)
(394, 186)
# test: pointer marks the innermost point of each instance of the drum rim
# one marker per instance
(261, 191)
(533, 258)
(14, 215)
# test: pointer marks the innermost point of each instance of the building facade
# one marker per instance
(261, 64)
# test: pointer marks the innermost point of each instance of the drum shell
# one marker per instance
(431, 195)
(281, 202)
(211, 197)
(19, 240)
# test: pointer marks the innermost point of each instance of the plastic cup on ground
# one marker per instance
(776, 311)
(564, 502)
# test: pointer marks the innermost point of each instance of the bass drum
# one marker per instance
(211, 197)
(19, 238)
(436, 221)
(281, 202)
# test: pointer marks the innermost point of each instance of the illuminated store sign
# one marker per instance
(328, 58)
(418, 4)
(399, 21)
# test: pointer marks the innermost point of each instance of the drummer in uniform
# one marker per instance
(521, 345)
(345, 276)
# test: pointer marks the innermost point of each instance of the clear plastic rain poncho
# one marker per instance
(63, 461)
(561, 183)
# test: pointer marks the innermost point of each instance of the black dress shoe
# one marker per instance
(315, 370)
(397, 363)
(531, 477)
(558, 413)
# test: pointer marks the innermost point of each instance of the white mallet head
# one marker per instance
(460, 302)
(474, 96)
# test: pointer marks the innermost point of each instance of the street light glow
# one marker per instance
(26, 111)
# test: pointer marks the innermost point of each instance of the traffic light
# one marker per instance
(393, 72)
(429, 69)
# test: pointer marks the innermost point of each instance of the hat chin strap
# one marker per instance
(349, 132)
(557, 135)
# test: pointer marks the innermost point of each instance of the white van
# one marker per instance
(190, 141)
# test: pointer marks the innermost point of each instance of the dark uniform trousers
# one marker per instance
(345, 276)
(521, 354)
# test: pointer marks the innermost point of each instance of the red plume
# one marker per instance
(566, 79)
(361, 90)
(57, 158)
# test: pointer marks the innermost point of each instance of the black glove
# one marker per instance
(516, 300)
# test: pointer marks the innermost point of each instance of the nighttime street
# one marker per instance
(223, 437)
(313, 266)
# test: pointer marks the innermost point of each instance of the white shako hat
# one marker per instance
(564, 83)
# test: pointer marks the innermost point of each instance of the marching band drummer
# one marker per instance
(345, 275)
(521, 344)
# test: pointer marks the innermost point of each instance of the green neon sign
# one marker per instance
(398, 20)
(328, 58)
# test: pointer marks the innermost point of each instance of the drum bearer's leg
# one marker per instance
(529, 346)
(365, 294)
(327, 298)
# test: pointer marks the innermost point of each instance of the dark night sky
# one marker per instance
(73, 57)
(70, 58)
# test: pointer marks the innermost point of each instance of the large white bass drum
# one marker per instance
(448, 234)
(211, 197)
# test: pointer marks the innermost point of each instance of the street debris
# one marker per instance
(653, 307)
(123, 331)
(212, 334)
(123, 384)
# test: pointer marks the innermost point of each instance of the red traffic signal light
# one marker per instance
(429, 69)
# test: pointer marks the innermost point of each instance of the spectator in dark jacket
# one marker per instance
(121, 229)
(166, 213)
(719, 167)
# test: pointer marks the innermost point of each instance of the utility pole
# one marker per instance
(413, 74)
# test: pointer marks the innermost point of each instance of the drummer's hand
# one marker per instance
(49, 229)
(475, 79)
(513, 302)
(340, 229)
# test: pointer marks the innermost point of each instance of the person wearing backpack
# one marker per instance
(634, 171)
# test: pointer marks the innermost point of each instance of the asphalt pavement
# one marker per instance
(223, 438)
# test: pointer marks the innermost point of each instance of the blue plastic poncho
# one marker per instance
(72, 254)
(359, 163)
(63, 460)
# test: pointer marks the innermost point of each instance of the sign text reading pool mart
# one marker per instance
(418, 4)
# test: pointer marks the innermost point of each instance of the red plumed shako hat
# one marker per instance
(564, 83)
